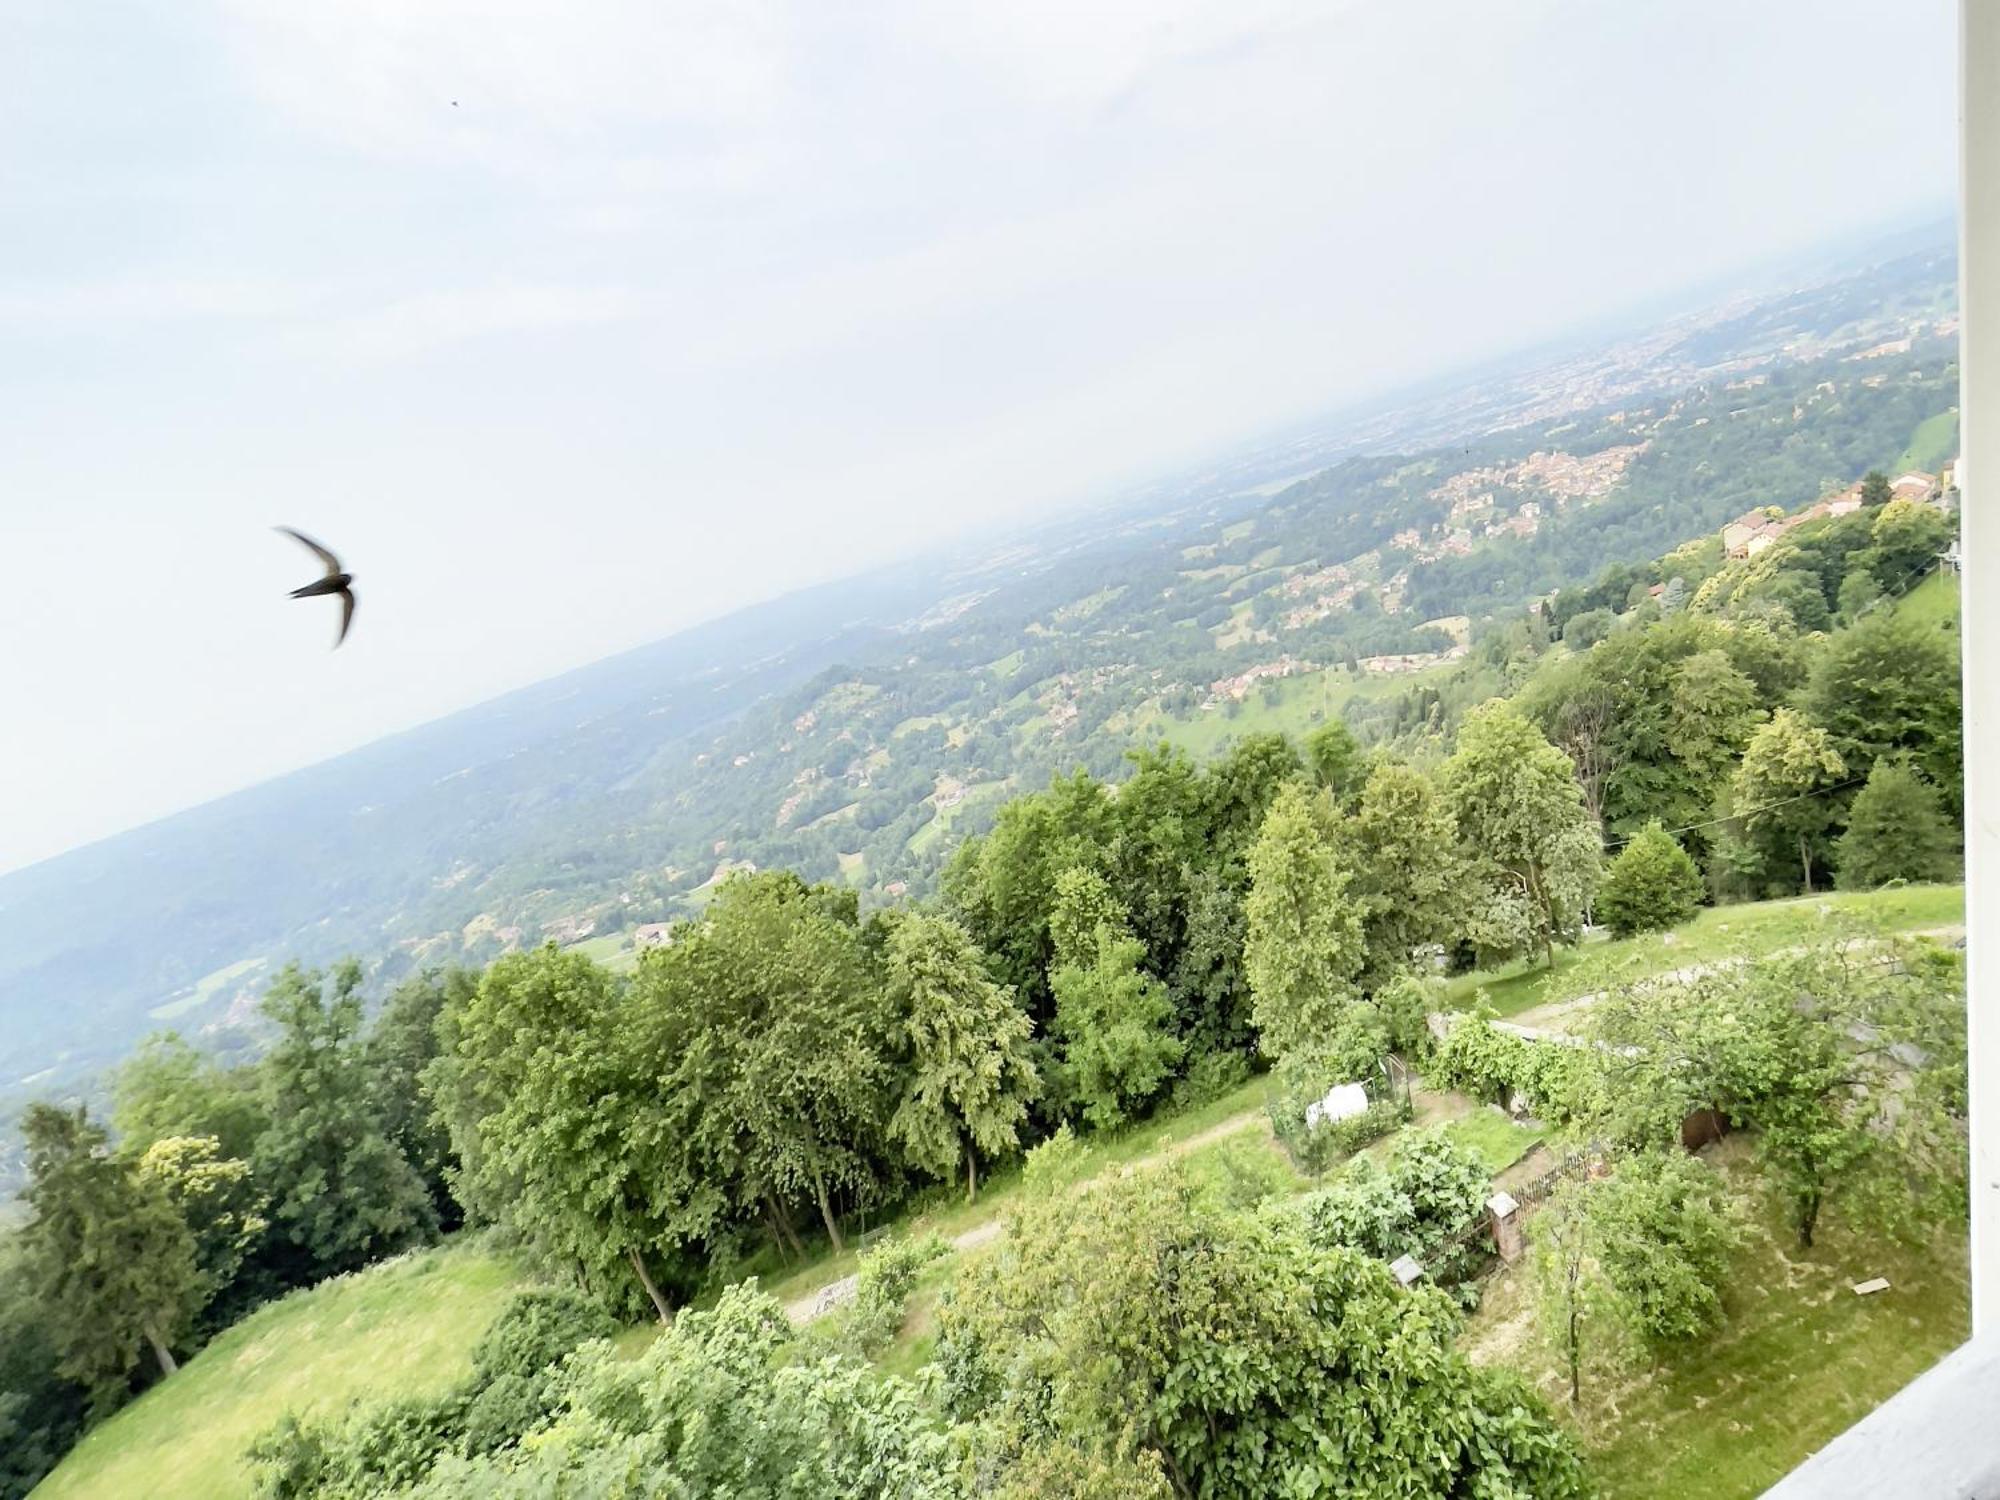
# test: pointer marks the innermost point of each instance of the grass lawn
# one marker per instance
(938, 827)
(614, 950)
(1933, 603)
(1798, 1359)
(1302, 702)
(1494, 1138)
(1719, 932)
(402, 1328)
(1934, 441)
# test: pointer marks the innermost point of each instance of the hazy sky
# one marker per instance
(570, 324)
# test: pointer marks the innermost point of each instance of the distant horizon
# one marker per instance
(570, 331)
(1848, 253)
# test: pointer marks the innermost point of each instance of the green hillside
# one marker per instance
(401, 1328)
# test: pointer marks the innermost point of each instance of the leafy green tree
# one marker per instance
(1210, 991)
(216, 1197)
(1586, 629)
(1239, 790)
(401, 1043)
(1161, 840)
(113, 1263)
(1083, 903)
(1521, 817)
(1651, 885)
(1304, 944)
(1896, 830)
(1001, 885)
(970, 1075)
(169, 1088)
(543, 1092)
(1780, 790)
(1664, 1234)
(1569, 1299)
(1403, 846)
(771, 1042)
(1889, 687)
(1851, 1073)
(1859, 593)
(1116, 1029)
(1875, 489)
(1908, 535)
(1234, 1351)
(1712, 713)
(719, 1404)
(40, 1411)
(341, 1193)
(1334, 759)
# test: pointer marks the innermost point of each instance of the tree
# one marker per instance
(1522, 818)
(1851, 1073)
(970, 1076)
(341, 1193)
(1210, 992)
(1711, 716)
(1907, 537)
(1239, 790)
(1633, 1259)
(762, 1057)
(542, 1083)
(1234, 1351)
(1896, 830)
(1586, 629)
(1083, 903)
(1116, 1029)
(1334, 759)
(113, 1264)
(401, 1044)
(1651, 885)
(1875, 489)
(216, 1197)
(1788, 767)
(1889, 687)
(1859, 593)
(169, 1088)
(1663, 1238)
(1303, 945)
(1403, 847)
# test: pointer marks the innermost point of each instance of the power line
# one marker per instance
(1751, 812)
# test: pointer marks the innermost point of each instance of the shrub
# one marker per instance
(1652, 885)
(1477, 1058)
(1209, 1077)
(535, 1329)
(883, 1285)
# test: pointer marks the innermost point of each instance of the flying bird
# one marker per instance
(337, 581)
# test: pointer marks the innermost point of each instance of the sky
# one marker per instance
(571, 325)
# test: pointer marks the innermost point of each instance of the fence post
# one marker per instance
(1509, 1237)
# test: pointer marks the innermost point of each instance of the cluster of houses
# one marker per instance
(1754, 530)
(1411, 661)
(1238, 687)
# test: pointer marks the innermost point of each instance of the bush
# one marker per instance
(1209, 1077)
(1652, 885)
(883, 1285)
(1477, 1058)
(1419, 1205)
(536, 1329)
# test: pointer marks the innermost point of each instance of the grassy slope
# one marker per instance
(402, 1328)
(1934, 602)
(1302, 702)
(1798, 1359)
(1720, 932)
(1934, 441)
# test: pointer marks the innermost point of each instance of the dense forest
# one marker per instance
(789, 1066)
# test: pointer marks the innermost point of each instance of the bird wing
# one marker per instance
(346, 616)
(332, 562)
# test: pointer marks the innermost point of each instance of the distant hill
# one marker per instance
(858, 730)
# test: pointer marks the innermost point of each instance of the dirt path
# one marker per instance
(835, 1294)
